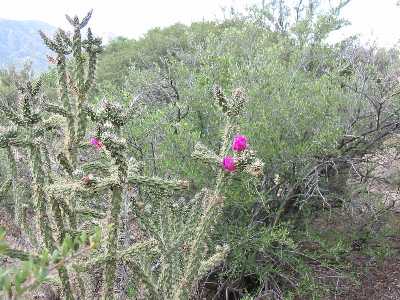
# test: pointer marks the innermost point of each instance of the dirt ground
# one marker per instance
(378, 282)
(375, 280)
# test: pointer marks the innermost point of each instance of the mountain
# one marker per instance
(20, 42)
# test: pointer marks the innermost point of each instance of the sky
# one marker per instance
(373, 19)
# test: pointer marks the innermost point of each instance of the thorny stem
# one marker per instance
(113, 222)
(112, 242)
(18, 209)
(57, 266)
(42, 217)
(69, 140)
(205, 222)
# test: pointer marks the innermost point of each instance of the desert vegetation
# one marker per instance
(245, 158)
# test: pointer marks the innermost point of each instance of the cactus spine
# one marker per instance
(18, 208)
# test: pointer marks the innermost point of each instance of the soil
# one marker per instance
(378, 282)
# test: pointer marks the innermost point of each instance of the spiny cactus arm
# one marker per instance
(233, 106)
(47, 41)
(55, 206)
(11, 115)
(201, 152)
(23, 142)
(132, 252)
(100, 166)
(133, 255)
(219, 256)
(30, 275)
(61, 45)
(38, 132)
(75, 20)
(17, 254)
(14, 139)
(18, 209)
(62, 49)
(79, 73)
(5, 187)
(91, 113)
(90, 213)
(149, 280)
(129, 254)
(55, 109)
(213, 200)
(35, 88)
(185, 233)
(70, 147)
(71, 213)
(64, 37)
(52, 123)
(70, 136)
(7, 134)
(29, 92)
(26, 106)
(57, 214)
(93, 48)
(6, 250)
(86, 19)
(27, 225)
(237, 102)
(65, 163)
(39, 196)
(220, 98)
(81, 118)
(143, 269)
(115, 148)
(111, 112)
(91, 71)
(81, 283)
(64, 278)
(194, 259)
(59, 221)
(159, 183)
(63, 79)
(112, 241)
(71, 186)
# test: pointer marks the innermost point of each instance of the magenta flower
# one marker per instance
(239, 143)
(228, 163)
(97, 143)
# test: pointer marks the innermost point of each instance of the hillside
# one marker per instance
(20, 42)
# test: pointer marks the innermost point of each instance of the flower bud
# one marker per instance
(97, 143)
(228, 163)
(239, 143)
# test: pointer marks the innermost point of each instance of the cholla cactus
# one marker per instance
(28, 134)
(76, 85)
(232, 106)
(66, 182)
(195, 261)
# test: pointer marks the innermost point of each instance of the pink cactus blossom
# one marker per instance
(97, 143)
(239, 143)
(88, 179)
(228, 163)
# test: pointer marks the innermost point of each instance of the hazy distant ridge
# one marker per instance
(20, 42)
